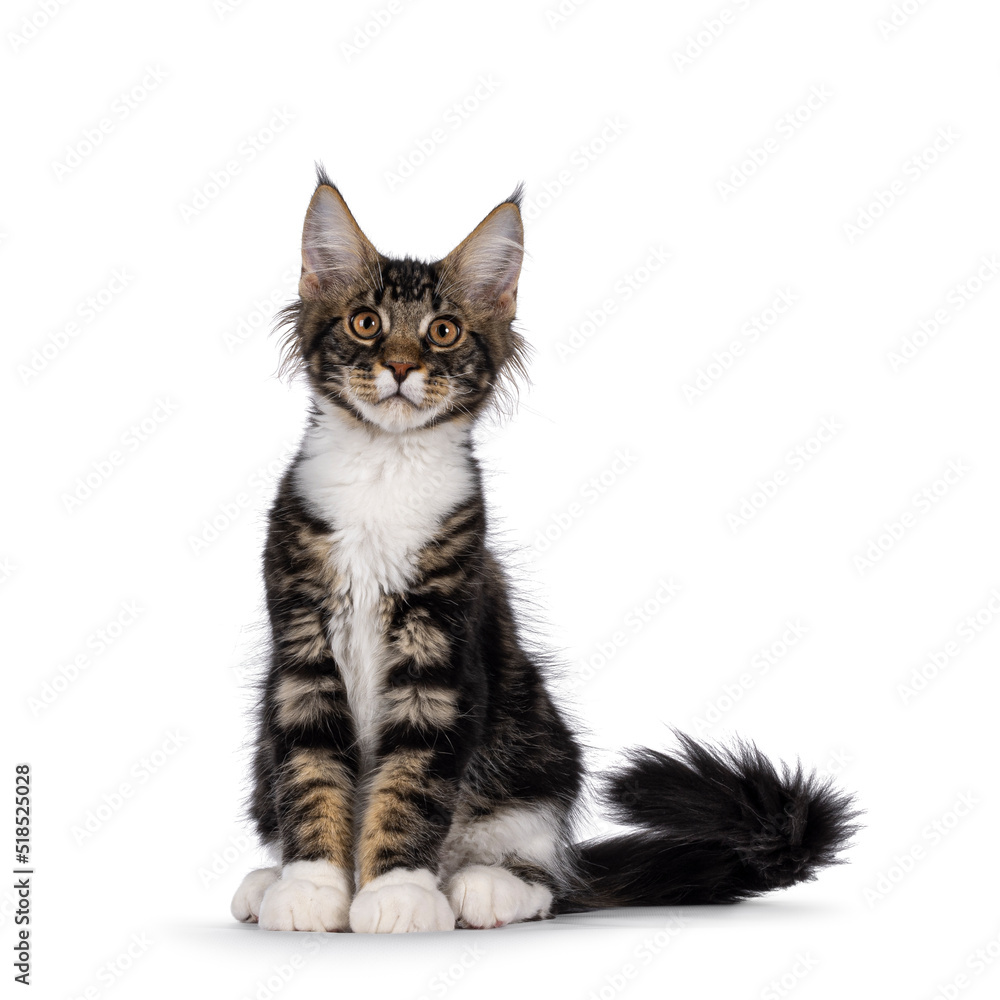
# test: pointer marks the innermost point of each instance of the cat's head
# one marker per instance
(400, 343)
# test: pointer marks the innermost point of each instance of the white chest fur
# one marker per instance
(385, 495)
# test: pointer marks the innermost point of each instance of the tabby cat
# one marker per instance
(411, 770)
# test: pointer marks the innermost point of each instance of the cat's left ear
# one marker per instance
(485, 266)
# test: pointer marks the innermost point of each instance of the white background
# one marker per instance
(622, 148)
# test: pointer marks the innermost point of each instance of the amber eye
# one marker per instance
(366, 324)
(443, 332)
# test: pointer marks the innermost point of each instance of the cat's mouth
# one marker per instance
(399, 407)
(398, 397)
(397, 413)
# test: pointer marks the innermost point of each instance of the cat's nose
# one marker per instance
(400, 369)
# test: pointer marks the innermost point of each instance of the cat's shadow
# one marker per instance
(663, 919)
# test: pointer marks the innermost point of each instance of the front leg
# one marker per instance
(309, 774)
(306, 759)
(427, 730)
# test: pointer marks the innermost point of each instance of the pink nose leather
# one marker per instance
(400, 369)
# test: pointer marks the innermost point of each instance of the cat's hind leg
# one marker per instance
(492, 895)
(504, 866)
(245, 906)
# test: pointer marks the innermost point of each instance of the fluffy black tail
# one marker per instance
(716, 825)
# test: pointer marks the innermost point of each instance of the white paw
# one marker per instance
(401, 901)
(489, 896)
(309, 896)
(246, 903)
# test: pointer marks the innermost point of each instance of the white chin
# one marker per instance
(397, 413)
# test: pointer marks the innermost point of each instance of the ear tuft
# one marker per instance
(485, 266)
(336, 254)
(322, 177)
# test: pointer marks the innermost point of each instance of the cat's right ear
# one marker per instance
(336, 255)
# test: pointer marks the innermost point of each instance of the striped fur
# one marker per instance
(408, 752)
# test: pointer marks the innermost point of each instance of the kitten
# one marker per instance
(411, 768)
